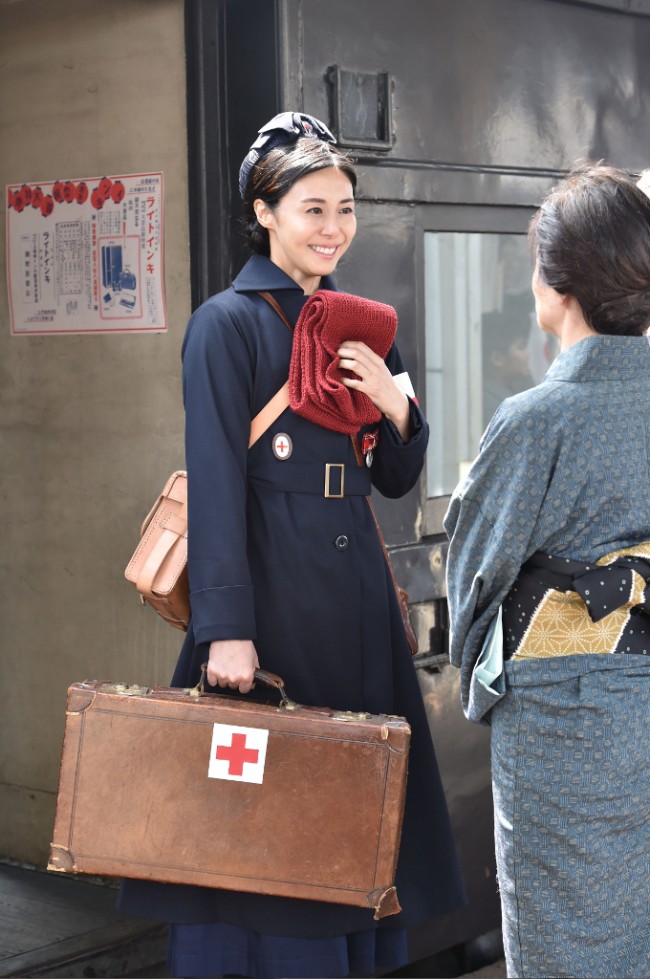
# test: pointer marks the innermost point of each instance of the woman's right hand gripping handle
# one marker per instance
(232, 663)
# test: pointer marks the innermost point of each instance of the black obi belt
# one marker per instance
(559, 607)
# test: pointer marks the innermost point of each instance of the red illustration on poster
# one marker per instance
(86, 255)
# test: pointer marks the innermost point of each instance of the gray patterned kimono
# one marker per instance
(565, 469)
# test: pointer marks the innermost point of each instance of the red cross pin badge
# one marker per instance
(238, 753)
(369, 441)
(282, 446)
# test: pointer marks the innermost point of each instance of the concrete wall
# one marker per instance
(91, 425)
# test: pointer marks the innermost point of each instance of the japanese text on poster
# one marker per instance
(86, 256)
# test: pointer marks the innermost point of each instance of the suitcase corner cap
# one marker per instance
(80, 697)
(61, 859)
(396, 734)
(384, 902)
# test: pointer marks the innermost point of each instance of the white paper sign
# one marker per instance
(86, 256)
(238, 753)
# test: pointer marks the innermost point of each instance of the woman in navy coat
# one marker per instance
(285, 576)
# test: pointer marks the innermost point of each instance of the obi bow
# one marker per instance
(606, 588)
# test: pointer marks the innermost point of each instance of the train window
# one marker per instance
(481, 341)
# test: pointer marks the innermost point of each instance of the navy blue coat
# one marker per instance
(272, 560)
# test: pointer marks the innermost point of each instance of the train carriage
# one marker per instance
(460, 114)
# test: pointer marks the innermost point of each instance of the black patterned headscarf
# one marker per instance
(284, 128)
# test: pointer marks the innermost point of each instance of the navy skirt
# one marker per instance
(217, 949)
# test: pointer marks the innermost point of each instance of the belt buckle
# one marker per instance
(328, 469)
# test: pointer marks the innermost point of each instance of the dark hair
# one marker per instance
(591, 240)
(278, 171)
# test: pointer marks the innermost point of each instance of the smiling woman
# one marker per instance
(312, 227)
(289, 572)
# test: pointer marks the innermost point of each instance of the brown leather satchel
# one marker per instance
(158, 568)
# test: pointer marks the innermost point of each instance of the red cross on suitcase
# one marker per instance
(172, 785)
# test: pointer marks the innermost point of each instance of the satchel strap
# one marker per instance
(274, 304)
(145, 580)
(280, 400)
(271, 410)
(402, 597)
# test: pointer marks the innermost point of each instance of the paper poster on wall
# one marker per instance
(86, 256)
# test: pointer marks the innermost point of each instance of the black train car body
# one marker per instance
(461, 114)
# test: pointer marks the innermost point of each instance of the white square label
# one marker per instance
(238, 753)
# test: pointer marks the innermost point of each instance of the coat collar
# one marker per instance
(261, 275)
(602, 358)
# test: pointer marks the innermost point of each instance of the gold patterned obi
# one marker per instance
(559, 607)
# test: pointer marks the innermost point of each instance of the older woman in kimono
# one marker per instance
(550, 543)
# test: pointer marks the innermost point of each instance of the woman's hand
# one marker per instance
(232, 664)
(375, 380)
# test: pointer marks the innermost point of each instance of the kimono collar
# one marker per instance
(261, 275)
(602, 358)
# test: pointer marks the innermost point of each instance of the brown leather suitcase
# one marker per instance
(192, 788)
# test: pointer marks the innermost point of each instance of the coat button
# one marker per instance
(341, 542)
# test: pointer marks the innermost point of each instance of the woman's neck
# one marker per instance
(573, 327)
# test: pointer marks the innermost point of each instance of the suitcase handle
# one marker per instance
(270, 679)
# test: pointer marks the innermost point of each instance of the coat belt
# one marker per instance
(334, 480)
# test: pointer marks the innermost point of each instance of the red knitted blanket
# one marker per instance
(316, 390)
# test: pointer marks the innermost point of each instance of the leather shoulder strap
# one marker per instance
(280, 400)
(402, 597)
(271, 410)
(274, 304)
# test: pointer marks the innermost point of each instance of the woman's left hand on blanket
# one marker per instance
(376, 381)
